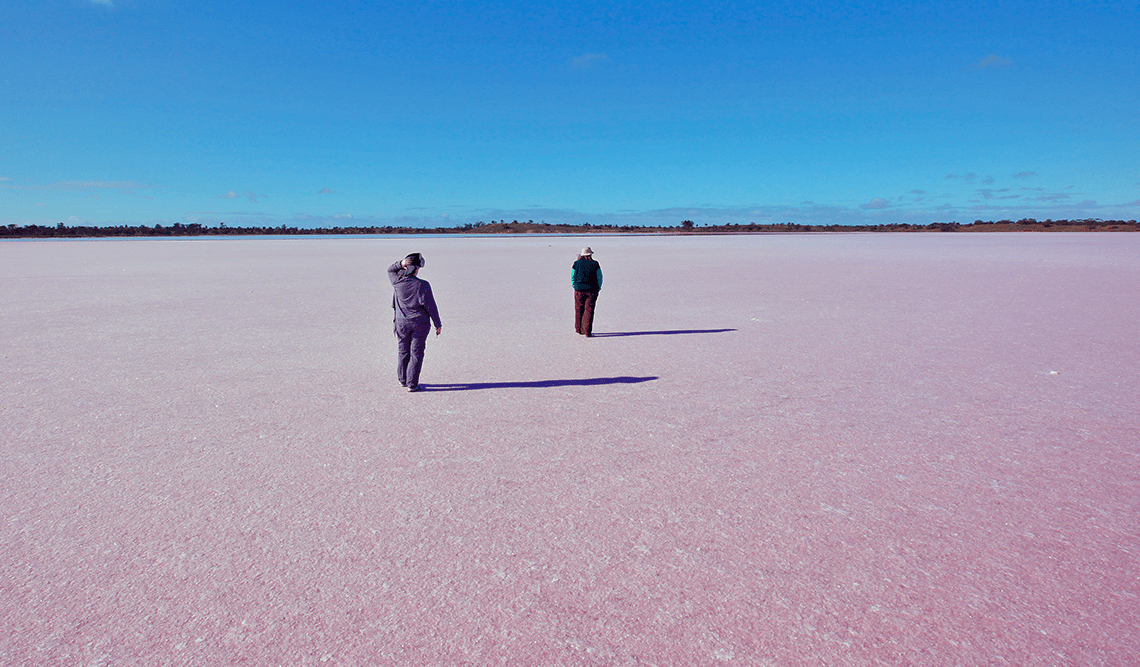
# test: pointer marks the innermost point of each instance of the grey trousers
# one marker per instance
(411, 340)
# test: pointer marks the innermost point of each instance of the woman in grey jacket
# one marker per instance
(414, 311)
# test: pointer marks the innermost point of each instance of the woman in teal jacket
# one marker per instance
(586, 279)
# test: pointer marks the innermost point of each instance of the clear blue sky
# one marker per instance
(446, 112)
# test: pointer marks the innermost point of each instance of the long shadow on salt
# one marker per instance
(673, 332)
(537, 384)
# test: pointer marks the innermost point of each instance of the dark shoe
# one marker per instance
(415, 387)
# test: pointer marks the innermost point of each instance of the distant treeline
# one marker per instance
(531, 227)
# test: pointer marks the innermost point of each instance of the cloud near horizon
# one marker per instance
(251, 196)
(1045, 206)
(988, 193)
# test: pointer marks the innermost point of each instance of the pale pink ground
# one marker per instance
(907, 449)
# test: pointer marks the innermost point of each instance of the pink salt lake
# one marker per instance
(781, 450)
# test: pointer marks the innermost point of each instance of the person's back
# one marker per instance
(586, 274)
(412, 298)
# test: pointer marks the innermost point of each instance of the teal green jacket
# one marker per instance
(586, 275)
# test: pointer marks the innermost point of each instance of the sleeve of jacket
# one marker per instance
(599, 277)
(429, 304)
(395, 272)
(573, 276)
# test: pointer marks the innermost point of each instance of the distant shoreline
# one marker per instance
(687, 228)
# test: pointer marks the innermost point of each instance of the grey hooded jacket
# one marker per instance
(412, 300)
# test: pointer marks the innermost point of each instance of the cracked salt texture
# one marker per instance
(817, 449)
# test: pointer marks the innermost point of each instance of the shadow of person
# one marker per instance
(671, 332)
(537, 384)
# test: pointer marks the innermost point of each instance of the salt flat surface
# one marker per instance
(781, 450)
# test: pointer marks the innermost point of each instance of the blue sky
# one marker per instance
(435, 113)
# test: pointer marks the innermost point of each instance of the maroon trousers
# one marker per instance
(584, 311)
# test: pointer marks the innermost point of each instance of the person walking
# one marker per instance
(414, 311)
(586, 279)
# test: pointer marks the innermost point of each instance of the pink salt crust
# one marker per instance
(784, 450)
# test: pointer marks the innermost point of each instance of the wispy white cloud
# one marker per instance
(875, 204)
(988, 193)
(251, 196)
(248, 217)
(1024, 174)
(991, 61)
(326, 191)
(809, 213)
(588, 61)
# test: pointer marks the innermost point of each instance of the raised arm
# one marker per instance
(396, 271)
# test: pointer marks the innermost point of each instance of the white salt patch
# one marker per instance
(205, 449)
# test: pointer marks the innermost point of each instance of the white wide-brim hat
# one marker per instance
(586, 251)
